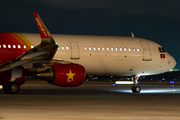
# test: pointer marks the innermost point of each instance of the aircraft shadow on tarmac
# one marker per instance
(47, 89)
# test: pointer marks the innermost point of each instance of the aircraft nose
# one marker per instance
(172, 62)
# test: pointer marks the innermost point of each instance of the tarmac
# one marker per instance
(42, 101)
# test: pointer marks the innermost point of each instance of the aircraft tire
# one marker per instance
(132, 89)
(11, 88)
(136, 89)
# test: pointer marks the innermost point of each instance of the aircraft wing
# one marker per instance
(44, 51)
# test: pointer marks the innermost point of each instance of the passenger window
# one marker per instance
(103, 48)
(124, 49)
(116, 49)
(129, 49)
(138, 49)
(112, 49)
(4, 46)
(89, 48)
(62, 47)
(99, 48)
(107, 49)
(67, 48)
(134, 49)
(120, 49)
(14, 46)
(24, 46)
(85, 48)
(9, 46)
(94, 48)
(19, 46)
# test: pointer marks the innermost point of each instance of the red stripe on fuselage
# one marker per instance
(20, 40)
(9, 53)
(13, 41)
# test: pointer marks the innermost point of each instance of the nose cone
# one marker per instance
(172, 62)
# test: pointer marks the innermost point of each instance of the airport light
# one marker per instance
(172, 82)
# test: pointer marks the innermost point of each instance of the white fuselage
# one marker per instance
(110, 55)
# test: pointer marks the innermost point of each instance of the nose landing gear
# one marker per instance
(135, 88)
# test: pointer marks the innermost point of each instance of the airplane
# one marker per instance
(65, 60)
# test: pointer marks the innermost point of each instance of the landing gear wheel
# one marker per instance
(11, 88)
(136, 89)
(132, 89)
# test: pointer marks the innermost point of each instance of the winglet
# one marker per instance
(47, 42)
(43, 31)
(44, 51)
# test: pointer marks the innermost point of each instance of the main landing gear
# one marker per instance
(11, 88)
(135, 88)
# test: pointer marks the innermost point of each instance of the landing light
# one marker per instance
(124, 82)
(170, 70)
(173, 70)
(0, 86)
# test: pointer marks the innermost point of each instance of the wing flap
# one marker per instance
(32, 55)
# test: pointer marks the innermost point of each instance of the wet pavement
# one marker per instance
(91, 102)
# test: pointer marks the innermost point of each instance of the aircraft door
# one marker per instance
(74, 50)
(146, 51)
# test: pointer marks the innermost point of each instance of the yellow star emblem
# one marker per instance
(70, 75)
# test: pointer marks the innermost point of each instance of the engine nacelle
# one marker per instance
(65, 75)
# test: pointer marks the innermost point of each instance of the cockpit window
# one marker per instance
(161, 49)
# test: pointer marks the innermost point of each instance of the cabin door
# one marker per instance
(146, 51)
(74, 50)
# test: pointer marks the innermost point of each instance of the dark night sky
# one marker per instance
(157, 20)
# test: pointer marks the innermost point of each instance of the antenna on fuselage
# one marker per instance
(132, 34)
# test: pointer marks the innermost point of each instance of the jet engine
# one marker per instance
(65, 75)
